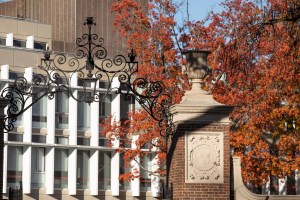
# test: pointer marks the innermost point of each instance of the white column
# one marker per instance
(135, 183)
(116, 100)
(282, 183)
(73, 112)
(30, 42)
(95, 121)
(297, 181)
(10, 39)
(115, 159)
(5, 75)
(26, 172)
(49, 170)
(5, 72)
(72, 169)
(28, 113)
(4, 169)
(50, 151)
(155, 180)
(93, 175)
(72, 159)
(51, 120)
(266, 188)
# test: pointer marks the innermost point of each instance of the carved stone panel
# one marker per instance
(204, 157)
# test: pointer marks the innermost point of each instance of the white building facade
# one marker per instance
(56, 149)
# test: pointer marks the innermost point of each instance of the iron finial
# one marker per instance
(89, 21)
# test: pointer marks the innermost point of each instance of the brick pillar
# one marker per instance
(200, 148)
(3, 104)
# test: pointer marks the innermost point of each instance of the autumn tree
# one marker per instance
(256, 63)
(148, 27)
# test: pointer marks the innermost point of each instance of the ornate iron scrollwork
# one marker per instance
(59, 70)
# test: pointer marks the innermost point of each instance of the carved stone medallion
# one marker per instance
(204, 157)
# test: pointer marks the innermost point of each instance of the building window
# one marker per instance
(62, 110)
(14, 75)
(61, 140)
(15, 137)
(39, 112)
(61, 168)
(14, 166)
(19, 43)
(104, 170)
(83, 169)
(83, 115)
(104, 84)
(40, 45)
(39, 138)
(125, 108)
(38, 167)
(274, 185)
(145, 178)
(291, 184)
(83, 141)
(2, 41)
(104, 142)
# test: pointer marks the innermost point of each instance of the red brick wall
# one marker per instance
(182, 190)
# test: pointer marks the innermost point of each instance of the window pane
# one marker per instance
(62, 110)
(145, 176)
(125, 108)
(41, 159)
(40, 45)
(103, 84)
(16, 137)
(104, 170)
(14, 166)
(83, 169)
(39, 138)
(105, 107)
(83, 141)
(104, 142)
(124, 185)
(38, 167)
(83, 119)
(61, 168)
(39, 112)
(61, 140)
(274, 185)
(2, 41)
(19, 43)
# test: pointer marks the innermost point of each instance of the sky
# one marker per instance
(198, 9)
